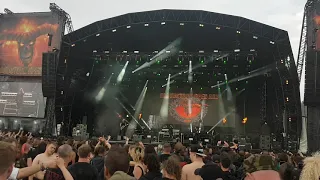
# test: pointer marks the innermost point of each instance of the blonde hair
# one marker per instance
(311, 168)
(137, 154)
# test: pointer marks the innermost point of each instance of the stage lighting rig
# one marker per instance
(66, 17)
(8, 11)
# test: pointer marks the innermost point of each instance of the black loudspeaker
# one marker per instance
(312, 78)
(265, 142)
(49, 74)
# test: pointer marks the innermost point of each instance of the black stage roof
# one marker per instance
(217, 31)
(203, 34)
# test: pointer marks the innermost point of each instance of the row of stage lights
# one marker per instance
(181, 24)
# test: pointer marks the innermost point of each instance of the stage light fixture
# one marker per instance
(73, 45)
(163, 23)
(128, 27)
(181, 24)
(244, 120)
(114, 30)
(255, 37)
(146, 25)
(237, 50)
(98, 35)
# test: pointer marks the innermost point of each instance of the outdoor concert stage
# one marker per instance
(252, 63)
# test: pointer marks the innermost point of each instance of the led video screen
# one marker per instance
(207, 109)
(23, 39)
(22, 99)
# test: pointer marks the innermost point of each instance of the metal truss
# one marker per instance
(302, 46)
(292, 119)
(303, 40)
(64, 15)
(183, 16)
(263, 102)
(8, 11)
(58, 108)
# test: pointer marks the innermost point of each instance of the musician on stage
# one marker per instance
(123, 127)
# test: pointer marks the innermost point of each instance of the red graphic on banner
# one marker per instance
(23, 39)
(188, 110)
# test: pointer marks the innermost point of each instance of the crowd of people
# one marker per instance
(23, 156)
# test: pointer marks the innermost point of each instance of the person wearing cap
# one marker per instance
(196, 156)
(210, 171)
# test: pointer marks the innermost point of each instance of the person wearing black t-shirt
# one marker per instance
(83, 170)
(166, 152)
(60, 173)
(225, 163)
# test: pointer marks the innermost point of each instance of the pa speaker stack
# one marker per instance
(312, 81)
(49, 69)
(265, 142)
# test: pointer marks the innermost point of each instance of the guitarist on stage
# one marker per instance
(123, 127)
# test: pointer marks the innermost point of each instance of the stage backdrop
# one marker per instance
(205, 108)
(23, 39)
(23, 99)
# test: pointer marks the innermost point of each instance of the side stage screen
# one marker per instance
(22, 99)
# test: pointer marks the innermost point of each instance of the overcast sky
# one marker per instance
(283, 14)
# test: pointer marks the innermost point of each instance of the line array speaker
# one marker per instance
(312, 78)
(49, 74)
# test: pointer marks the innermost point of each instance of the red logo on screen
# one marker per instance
(188, 110)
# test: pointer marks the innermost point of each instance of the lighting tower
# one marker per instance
(308, 43)
(303, 39)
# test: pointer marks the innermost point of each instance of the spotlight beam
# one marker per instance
(122, 72)
(164, 111)
(200, 65)
(128, 112)
(172, 47)
(103, 90)
(254, 73)
(220, 121)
